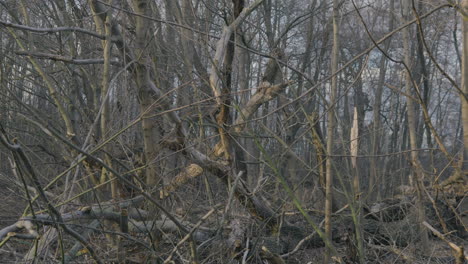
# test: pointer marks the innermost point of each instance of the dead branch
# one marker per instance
(52, 30)
(221, 49)
(271, 257)
(400, 253)
(459, 251)
(190, 172)
(67, 59)
(189, 235)
(12, 230)
(266, 92)
(21, 158)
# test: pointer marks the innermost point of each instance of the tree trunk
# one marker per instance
(464, 75)
(376, 128)
(150, 132)
(146, 91)
(330, 131)
(417, 173)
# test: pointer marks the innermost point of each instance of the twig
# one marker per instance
(19, 155)
(459, 256)
(305, 239)
(189, 234)
(396, 251)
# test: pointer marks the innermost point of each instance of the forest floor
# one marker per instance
(12, 206)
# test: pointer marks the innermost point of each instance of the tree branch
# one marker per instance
(67, 59)
(52, 30)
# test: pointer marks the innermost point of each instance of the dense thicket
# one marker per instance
(262, 131)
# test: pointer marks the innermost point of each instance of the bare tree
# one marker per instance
(209, 131)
